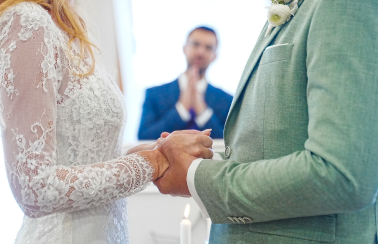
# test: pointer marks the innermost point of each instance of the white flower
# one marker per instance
(28, 196)
(20, 140)
(88, 183)
(32, 164)
(37, 146)
(278, 14)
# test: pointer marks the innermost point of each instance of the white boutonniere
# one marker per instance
(280, 12)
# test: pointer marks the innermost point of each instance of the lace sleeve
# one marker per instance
(29, 77)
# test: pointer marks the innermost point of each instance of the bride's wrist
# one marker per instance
(153, 157)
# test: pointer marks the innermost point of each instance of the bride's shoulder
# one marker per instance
(31, 15)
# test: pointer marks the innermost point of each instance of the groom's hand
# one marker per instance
(206, 132)
(173, 180)
(192, 142)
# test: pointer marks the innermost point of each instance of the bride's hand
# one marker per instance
(157, 160)
(142, 147)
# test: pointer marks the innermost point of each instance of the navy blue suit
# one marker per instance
(160, 114)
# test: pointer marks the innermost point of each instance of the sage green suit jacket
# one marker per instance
(302, 134)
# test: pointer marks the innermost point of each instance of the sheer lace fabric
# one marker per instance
(62, 136)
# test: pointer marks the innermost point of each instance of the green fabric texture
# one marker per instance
(303, 133)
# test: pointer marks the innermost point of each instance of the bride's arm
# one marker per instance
(138, 148)
(28, 108)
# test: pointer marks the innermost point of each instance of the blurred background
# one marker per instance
(141, 46)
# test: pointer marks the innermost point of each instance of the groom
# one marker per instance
(301, 158)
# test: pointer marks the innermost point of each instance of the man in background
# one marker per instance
(189, 102)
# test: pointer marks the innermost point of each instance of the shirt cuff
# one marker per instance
(181, 110)
(205, 116)
(190, 181)
(217, 156)
(192, 188)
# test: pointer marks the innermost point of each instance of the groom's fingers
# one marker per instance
(200, 151)
(192, 140)
(165, 184)
(174, 180)
(163, 167)
(160, 183)
(206, 153)
(205, 141)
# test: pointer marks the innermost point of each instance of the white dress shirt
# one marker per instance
(201, 119)
(191, 186)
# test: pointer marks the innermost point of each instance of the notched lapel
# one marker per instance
(261, 44)
(255, 56)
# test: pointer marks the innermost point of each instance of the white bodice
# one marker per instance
(62, 136)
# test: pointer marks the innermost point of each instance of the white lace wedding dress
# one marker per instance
(62, 137)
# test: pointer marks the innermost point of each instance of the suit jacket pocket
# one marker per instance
(318, 228)
(276, 53)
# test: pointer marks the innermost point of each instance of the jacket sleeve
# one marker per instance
(337, 170)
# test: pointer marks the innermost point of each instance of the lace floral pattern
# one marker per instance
(61, 136)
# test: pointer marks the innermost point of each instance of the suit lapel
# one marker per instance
(255, 56)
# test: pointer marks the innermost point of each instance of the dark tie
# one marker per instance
(192, 124)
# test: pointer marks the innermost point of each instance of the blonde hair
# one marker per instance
(68, 20)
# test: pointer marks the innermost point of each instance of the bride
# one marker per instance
(61, 122)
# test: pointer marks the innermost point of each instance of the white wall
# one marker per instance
(10, 214)
(160, 29)
(99, 18)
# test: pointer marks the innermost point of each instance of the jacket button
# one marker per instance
(227, 152)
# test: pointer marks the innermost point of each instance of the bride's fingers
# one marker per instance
(206, 132)
(186, 132)
(164, 134)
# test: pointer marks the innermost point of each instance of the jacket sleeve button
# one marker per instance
(227, 152)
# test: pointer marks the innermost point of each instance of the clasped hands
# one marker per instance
(175, 153)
